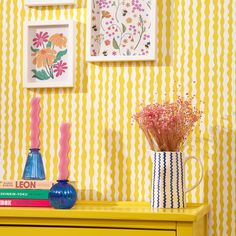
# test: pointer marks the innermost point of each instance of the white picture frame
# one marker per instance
(49, 54)
(93, 8)
(49, 2)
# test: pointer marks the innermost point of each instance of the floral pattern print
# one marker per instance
(40, 39)
(47, 54)
(121, 28)
(60, 68)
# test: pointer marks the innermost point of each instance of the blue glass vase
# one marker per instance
(34, 166)
(62, 195)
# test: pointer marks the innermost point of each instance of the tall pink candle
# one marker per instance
(64, 151)
(34, 125)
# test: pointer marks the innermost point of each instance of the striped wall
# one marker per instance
(196, 55)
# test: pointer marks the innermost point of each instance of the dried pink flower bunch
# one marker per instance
(166, 126)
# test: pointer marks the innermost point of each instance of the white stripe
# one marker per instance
(202, 75)
(3, 84)
(24, 150)
(62, 13)
(233, 154)
(164, 49)
(218, 207)
(50, 175)
(95, 118)
(43, 123)
(225, 113)
(179, 47)
(73, 119)
(140, 139)
(148, 162)
(104, 78)
(210, 114)
(81, 86)
(87, 136)
(17, 175)
(186, 78)
(132, 149)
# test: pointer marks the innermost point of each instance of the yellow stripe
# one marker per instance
(230, 121)
(7, 87)
(215, 123)
(198, 95)
(159, 48)
(15, 23)
(100, 133)
(221, 156)
(50, 12)
(84, 89)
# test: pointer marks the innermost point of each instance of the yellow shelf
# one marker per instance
(111, 210)
(110, 215)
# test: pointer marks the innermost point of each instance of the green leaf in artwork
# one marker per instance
(123, 28)
(128, 52)
(60, 55)
(115, 44)
(40, 74)
(49, 44)
(34, 49)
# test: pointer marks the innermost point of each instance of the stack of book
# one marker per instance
(25, 193)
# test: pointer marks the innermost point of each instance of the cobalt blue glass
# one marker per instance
(34, 166)
(62, 195)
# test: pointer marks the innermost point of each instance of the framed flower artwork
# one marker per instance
(49, 54)
(49, 2)
(121, 30)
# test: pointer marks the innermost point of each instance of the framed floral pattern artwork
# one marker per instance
(49, 2)
(121, 30)
(49, 54)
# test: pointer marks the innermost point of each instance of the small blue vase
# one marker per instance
(34, 166)
(62, 195)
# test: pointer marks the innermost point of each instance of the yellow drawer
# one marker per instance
(46, 231)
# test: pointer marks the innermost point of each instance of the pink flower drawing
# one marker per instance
(60, 68)
(40, 39)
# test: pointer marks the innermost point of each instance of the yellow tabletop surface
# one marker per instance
(109, 210)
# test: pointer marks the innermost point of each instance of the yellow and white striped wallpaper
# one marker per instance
(196, 55)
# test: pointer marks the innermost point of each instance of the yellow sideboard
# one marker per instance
(105, 219)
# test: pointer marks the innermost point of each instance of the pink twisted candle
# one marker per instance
(64, 150)
(34, 125)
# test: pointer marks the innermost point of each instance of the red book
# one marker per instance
(24, 203)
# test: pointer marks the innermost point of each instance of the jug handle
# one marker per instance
(201, 176)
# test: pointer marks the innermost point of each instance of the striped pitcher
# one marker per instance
(168, 183)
